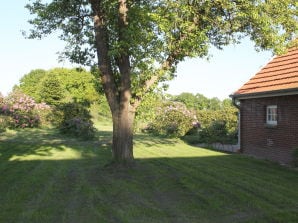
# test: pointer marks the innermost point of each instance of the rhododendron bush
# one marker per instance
(173, 119)
(18, 110)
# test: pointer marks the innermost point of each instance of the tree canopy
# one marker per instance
(135, 44)
(75, 84)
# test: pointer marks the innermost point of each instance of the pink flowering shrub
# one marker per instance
(22, 111)
(3, 118)
(174, 120)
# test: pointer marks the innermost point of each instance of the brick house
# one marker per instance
(268, 105)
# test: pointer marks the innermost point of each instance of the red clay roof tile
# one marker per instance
(280, 73)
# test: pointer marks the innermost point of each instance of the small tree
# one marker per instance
(51, 91)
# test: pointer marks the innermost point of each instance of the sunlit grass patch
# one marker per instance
(50, 153)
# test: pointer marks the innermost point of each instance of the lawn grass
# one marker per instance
(46, 177)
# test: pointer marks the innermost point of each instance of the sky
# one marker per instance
(225, 72)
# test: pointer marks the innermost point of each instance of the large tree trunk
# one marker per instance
(117, 91)
(122, 148)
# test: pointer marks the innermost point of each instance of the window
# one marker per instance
(271, 117)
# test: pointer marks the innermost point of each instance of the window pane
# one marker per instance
(271, 115)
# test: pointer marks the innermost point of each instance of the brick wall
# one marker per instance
(275, 143)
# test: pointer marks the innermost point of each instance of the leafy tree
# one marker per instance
(30, 83)
(190, 100)
(51, 91)
(77, 84)
(202, 102)
(214, 104)
(198, 101)
(136, 44)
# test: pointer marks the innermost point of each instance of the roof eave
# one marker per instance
(266, 94)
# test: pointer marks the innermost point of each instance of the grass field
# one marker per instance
(49, 178)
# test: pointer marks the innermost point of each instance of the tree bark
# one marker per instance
(122, 148)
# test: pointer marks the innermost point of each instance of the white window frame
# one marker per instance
(271, 115)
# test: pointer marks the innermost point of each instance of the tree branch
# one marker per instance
(104, 62)
(123, 59)
(166, 66)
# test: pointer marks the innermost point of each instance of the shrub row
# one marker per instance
(18, 110)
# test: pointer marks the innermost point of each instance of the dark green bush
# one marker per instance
(218, 125)
(74, 119)
(217, 132)
(192, 139)
(78, 127)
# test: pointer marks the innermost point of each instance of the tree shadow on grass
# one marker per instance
(44, 142)
(214, 188)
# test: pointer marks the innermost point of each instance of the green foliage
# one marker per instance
(218, 119)
(75, 120)
(198, 101)
(190, 100)
(146, 112)
(173, 120)
(78, 127)
(51, 90)
(3, 123)
(219, 125)
(103, 109)
(217, 132)
(78, 85)
(30, 83)
(75, 85)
